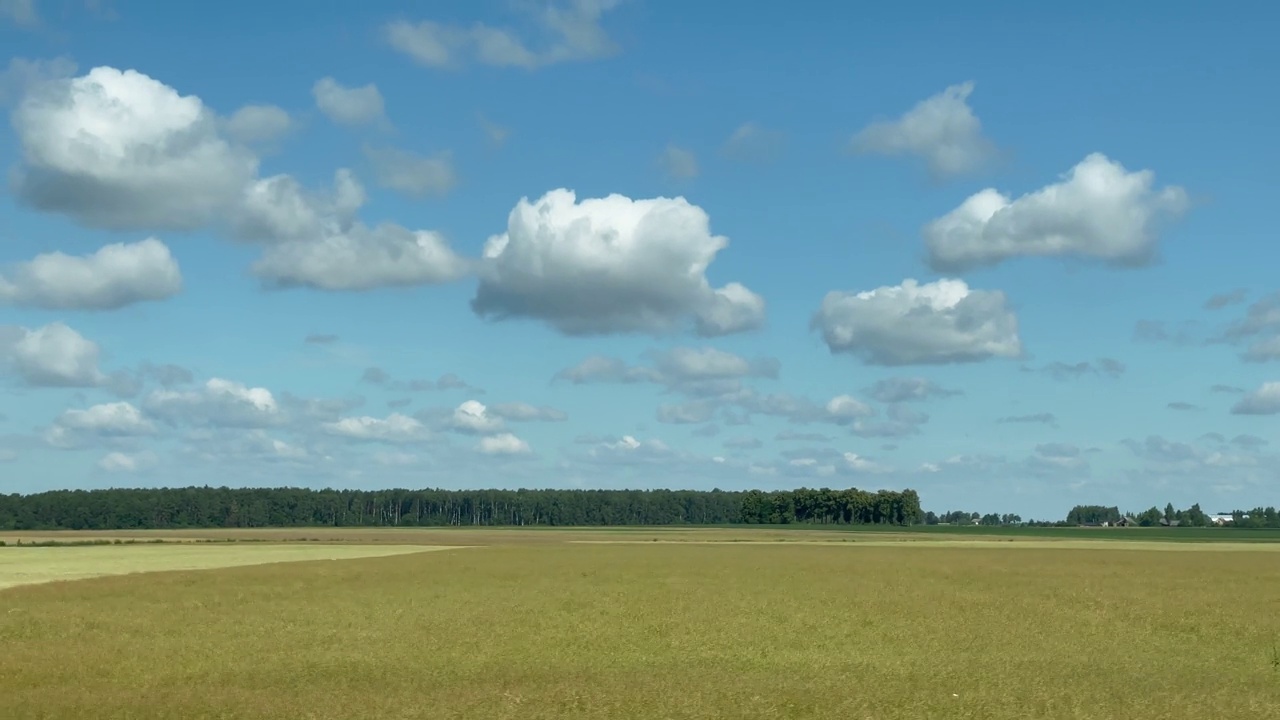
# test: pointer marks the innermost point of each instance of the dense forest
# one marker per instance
(208, 507)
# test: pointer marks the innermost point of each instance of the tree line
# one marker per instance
(1194, 516)
(223, 507)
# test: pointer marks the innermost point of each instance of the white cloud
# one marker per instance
(362, 259)
(395, 428)
(348, 105)
(473, 417)
(51, 356)
(572, 27)
(253, 124)
(119, 150)
(125, 462)
(913, 324)
(314, 240)
(503, 444)
(112, 277)
(1263, 401)
(845, 408)
(678, 163)
(118, 419)
(942, 130)
(610, 265)
(496, 133)
(409, 173)
(524, 412)
(1098, 210)
(218, 403)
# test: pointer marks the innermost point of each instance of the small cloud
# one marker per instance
(1221, 300)
(1182, 406)
(349, 106)
(1043, 418)
(320, 339)
(751, 142)
(942, 130)
(496, 133)
(678, 163)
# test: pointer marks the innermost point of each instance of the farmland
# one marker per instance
(654, 623)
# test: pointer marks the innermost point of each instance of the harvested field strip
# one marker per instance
(31, 565)
(974, 544)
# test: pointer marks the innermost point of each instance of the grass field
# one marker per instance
(538, 624)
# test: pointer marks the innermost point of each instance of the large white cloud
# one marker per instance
(1097, 210)
(120, 150)
(610, 265)
(51, 356)
(116, 275)
(314, 240)
(473, 417)
(913, 324)
(942, 130)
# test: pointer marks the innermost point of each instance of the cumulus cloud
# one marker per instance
(913, 324)
(1097, 210)
(503, 444)
(409, 173)
(610, 265)
(76, 427)
(218, 403)
(571, 29)
(448, 381)
(826, 462)
(112, 277)
(120, 150)
(1263, 401)
(348, 105)
(474, 417)
(51, 356)
(395, 428)
(258, 124)
(941, 130)
(314, 240)
(678, 163)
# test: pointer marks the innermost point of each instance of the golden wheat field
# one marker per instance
(552, 627)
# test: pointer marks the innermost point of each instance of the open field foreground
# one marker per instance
(661, 630)
(25, 566)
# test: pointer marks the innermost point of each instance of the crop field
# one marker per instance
(643, 623)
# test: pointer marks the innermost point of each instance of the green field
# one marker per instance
(645, 623)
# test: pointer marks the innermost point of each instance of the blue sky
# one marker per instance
(1014, 257)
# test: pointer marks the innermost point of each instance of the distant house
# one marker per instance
(1169, 523)
(1126, 521)
(1224, 518)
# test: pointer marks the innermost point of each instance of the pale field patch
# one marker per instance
(30, 565)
